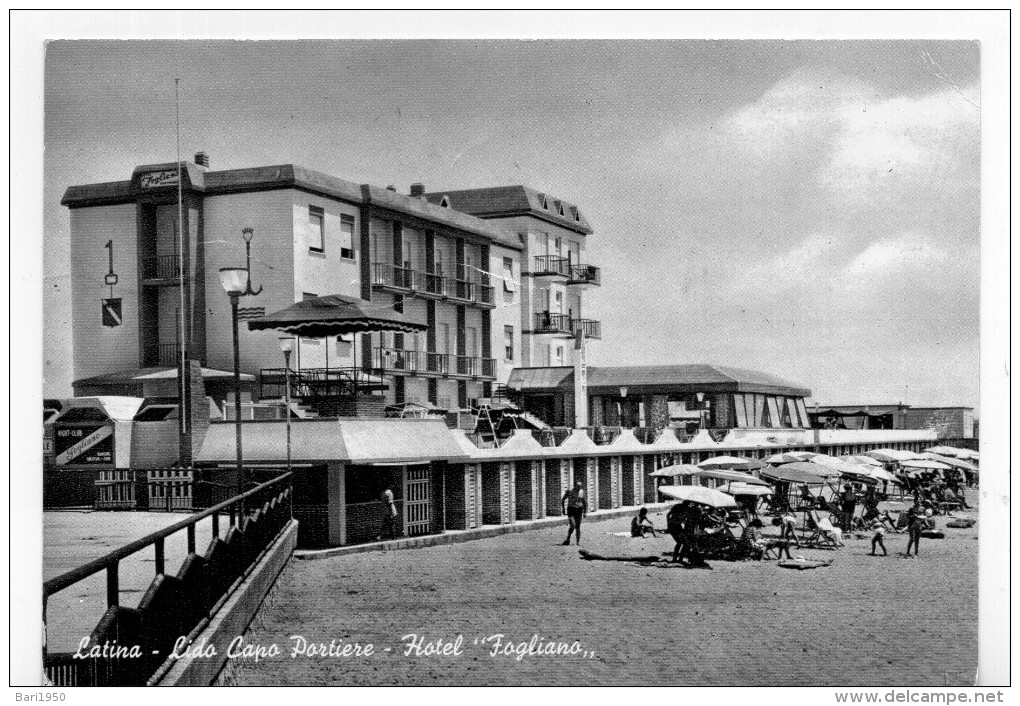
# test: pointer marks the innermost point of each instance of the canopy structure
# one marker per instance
(844, 467)
(788, 474)
(680, 469)
(723, 474)
(334, 315)
(892, 455)
(697, 494)
(723, 462)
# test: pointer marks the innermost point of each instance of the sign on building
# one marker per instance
(166, 177)
(112, 312)
(88, 444)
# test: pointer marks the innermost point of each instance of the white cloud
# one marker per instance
(893, 257)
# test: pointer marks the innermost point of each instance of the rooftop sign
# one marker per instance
(166, 177)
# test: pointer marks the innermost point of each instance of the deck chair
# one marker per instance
(824, 533)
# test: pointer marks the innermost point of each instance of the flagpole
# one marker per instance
(183, 353)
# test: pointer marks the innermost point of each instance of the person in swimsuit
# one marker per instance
(640, 525)
(575, 507)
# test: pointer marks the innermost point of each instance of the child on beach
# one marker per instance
(876, 539)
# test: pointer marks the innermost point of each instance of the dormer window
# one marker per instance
(576, 213)
(559, 208)
(444, 202)
(545, 203)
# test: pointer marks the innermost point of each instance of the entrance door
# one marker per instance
(417, 518)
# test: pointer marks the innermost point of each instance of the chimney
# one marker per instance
(391, 188)
(417, 190)
(202, 159)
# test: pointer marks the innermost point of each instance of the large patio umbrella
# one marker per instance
(892, 455)
(954, 462)
(779, 459)
(861, 459)
(925, 463)
(752, 465)
(334, 315)
(736, 489)
(697, 494)
(845, 468)
(804, 473)
(680, 469)
(724, 474)
(722, 462)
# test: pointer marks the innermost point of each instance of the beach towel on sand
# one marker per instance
(961, 523)
(806, 564)
(646, 561)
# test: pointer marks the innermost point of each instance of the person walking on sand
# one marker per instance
(389, 516)
(575, 507)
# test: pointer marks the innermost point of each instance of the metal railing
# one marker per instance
(168, 354)
(466, 287)
(590, 327)
(387, 275)
(548, 322)
(585, 274)
(166, 267)
(398, 359)
(173, 606)
(488, 367)
(467, 365)
(551, 265)
(437, 285)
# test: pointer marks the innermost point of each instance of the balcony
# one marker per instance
(403, 280)
(548, 322)
(166, 269)
(551, 265)
(590, 327)
(585, 275)
(399, 361)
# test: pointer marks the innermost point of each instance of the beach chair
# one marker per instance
(824, 533)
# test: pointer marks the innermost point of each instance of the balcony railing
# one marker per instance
(396, 360)
(386, 275)
(166, 267)
(168, 354)
(548, 322)
(403, 279)
(590, 327)
(585, 274)
(551, 265)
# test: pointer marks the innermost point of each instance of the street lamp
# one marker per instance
(287, 346)
(235, 281)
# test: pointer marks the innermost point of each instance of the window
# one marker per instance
(509, 284)
(508, 344)
(316, 230)
(559, 355)
(305, 296)
(347, 237)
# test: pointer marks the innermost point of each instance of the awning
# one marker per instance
(158, 373)
(785, 474)
(357, 441)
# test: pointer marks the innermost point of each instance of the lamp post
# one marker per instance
(235, 281)
(287, 345)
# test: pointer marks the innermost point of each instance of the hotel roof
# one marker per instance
(285, 176)
(659, 378)
(507, 201)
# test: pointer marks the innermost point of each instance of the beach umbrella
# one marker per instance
(680, 469)
(697, 494)
(722, 462)
(879, 473)
(752, 465)
(745, 489)
(803, 455)
(944, 450)
(825, 460)
(779, 459)
(804, 474)
(925, 463)
(862, 460)
(954, 462)
(892, 455)
(724, 474)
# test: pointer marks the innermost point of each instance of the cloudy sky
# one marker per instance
(806, 208)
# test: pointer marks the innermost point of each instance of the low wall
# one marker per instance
(233, 618)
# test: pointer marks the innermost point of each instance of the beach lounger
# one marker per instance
(825, 534)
